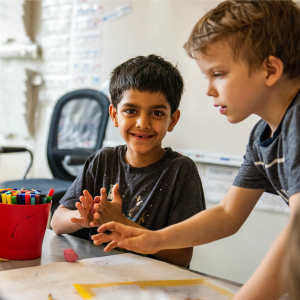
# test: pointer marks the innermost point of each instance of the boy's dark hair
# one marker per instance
(147, 74)
(254, 30)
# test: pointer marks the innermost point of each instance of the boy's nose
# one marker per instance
(211, 91)
(143, 122)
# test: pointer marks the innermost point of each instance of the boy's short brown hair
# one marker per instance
(254, 30)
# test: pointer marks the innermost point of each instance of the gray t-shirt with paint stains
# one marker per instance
(273, 163)
(156, 196)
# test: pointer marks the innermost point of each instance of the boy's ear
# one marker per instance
(274, 70)
(113, 115)
(174, 119)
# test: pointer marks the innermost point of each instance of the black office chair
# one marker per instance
(77, 130)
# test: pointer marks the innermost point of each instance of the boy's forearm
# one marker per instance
(61, 221)
(205, 227)
(212, 224)
(180, 257)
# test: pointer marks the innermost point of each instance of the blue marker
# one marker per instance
(23, 198)
(19, 198)
(224, 158)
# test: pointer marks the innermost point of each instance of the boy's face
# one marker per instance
(143, 119)
(236, 92)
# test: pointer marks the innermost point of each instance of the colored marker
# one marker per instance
(8, 199)
(27, 199)
(51, 192)
(23, 198)
(32, 199)
(19, 198)
(13, 200)
(37, 199)
(4, 198)
(43, 198)
(3, 259)
(49, 198)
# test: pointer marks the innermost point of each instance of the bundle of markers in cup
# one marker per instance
(24, 196)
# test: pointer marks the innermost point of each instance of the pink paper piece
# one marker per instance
(92, 210)
(70, 255)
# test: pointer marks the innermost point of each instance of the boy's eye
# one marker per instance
(158, 113)
(129, 111)
(218, 75)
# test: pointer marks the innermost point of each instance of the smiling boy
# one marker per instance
(250, 53)
(158, 187)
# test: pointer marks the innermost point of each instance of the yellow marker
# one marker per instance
(3, 259)
(50, 297)
(8, 199)
(4, 198)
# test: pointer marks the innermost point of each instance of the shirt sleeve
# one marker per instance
(188, 199)
(291, 152)
(249, 175)
(84, 181)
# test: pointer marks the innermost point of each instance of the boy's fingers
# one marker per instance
(112, 226)
(96, 215)
(83, 201)
(80, 208)
(97, 199)
(116, 195)
(101, 238)
(110, 246)
(76, 220)
(103, 198)
(97, 206)
(87, 195)
(95, 223)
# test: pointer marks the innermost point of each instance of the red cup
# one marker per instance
(22, 230)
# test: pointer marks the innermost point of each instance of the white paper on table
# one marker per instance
(58, 278)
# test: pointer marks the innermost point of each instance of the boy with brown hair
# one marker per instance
(250, 53)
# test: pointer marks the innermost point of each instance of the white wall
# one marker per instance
(162, 27)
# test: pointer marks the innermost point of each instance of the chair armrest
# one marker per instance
(75, 160)
(12, 149)
(19, 149)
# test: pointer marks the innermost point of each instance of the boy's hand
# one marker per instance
(107, 211)
(84, 209)
(131, 238)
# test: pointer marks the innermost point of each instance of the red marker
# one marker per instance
(27, 199)
(51, 192)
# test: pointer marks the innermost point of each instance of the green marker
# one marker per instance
(49, 198)
(43, 198)
(13, 200)
(32, 199)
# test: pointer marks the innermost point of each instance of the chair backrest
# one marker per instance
(77, 128)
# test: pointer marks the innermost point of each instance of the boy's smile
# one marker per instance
(143, 119)
(237, 92)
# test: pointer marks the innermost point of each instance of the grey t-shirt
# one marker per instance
(273, 163)
(161, 194)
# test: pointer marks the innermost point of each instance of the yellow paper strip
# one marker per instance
(85, 290)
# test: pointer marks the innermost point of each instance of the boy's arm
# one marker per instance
(267, 282)
(61, 220)
(207, 226)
